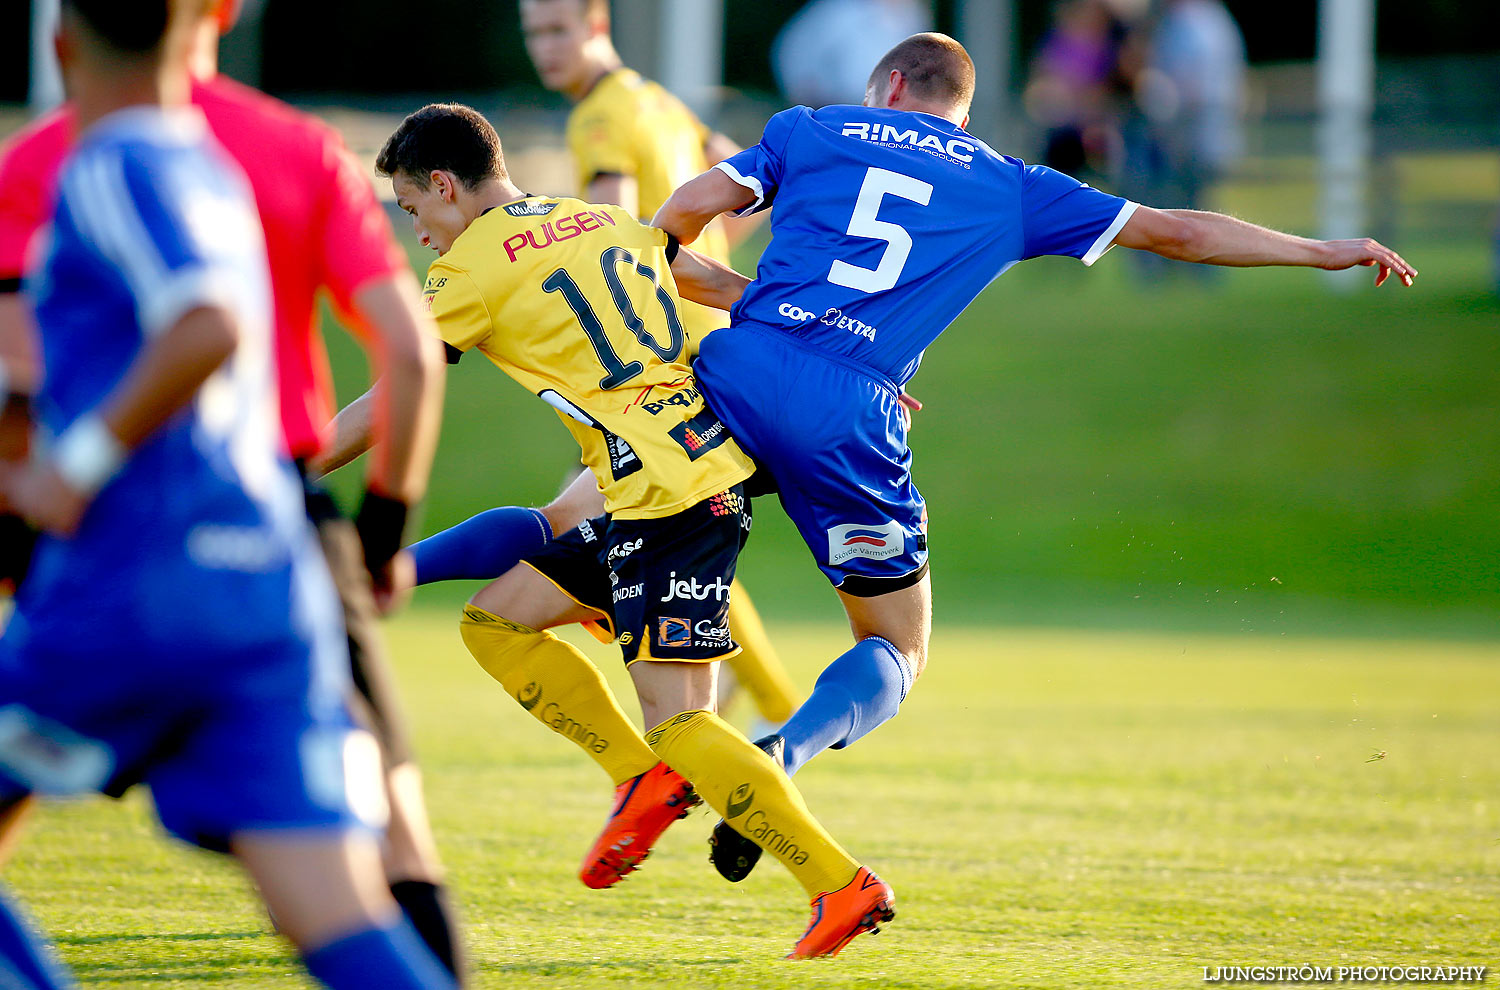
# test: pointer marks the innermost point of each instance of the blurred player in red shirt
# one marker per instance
(324, 229)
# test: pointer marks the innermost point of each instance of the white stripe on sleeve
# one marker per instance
(1107, 239)
(750, 182)
(101, 203)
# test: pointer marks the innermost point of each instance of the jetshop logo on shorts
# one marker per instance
(691, 589)
(875, 542)
(833, 317)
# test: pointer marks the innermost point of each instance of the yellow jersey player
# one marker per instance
(632, 144)
(575, 302)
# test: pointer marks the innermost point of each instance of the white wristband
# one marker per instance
(87, 455)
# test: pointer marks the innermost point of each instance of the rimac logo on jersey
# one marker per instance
(529, 209)
(955, 150)
(875, 542)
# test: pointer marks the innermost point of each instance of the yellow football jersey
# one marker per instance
(629, 125)
(575, 302)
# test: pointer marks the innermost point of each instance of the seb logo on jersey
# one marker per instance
(430, 291)
(875, 542)
(956, 150)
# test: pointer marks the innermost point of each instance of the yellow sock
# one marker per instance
(560, 688)
(757, 666)
(742, 783)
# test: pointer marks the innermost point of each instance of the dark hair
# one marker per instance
(130, 27)
(935, 66)
(446, 136)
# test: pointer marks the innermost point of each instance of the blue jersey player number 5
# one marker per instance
(866, 222)
(916, 215)
(887, 224)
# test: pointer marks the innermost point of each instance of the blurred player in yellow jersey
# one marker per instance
(576, 302)
(633, 143)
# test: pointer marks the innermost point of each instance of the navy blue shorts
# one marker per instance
(662, 584)
(833, 437)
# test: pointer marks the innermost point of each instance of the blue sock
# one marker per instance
(392, 957)
(481, 547)
(857, 692)
(24, 961)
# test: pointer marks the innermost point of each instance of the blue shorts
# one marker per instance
(225, 691)
(833, 437)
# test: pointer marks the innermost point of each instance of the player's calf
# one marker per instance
(733, 855)
(559, 687)
(328, 895)
(743, 784)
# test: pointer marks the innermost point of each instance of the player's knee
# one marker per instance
(579, 501)
(667, 690)
(916, 657)
(560, 515)
(499, 645)
(910, 643)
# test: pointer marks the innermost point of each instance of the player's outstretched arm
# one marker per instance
(17, 376)
(351, 433)
(716, 148)
(706, 281)
(163, 379)
(1216, 239)
(697, 201)
(405, 409)
(407, 405)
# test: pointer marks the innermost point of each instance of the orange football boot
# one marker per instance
(644, 807)
(862, 905)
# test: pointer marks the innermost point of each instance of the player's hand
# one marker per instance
(1371, 254)
(8, 471)
(909, 405)
(394, 586)
(39, 494)
(17, 542)
(381, 521)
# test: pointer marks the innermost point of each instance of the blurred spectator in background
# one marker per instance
(824, 53)
(1075, 88)
(1185, 130)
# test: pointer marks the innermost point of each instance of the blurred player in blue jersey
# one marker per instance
(178, 627)
(890, 219)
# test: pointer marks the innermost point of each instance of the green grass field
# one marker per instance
(1053, 808)
(1160, 469)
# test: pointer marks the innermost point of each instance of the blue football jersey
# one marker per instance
(889, 222)
(152, 221)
